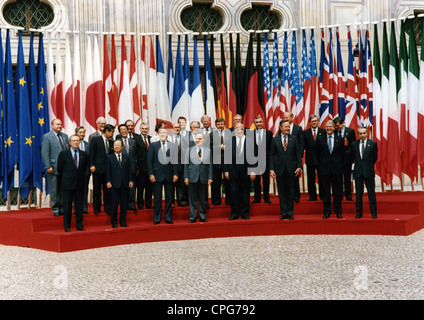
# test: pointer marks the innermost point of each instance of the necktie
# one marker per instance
(75, 158)
(285, 143)
(119, 159)
(315, 134)
(106, 146)
(239, 147)
(222, 137)
(207, 131)
(330, 145)
(145, 142)
(259, 138)
(60, 140)
(199, 154)
(126, 146)
(362, 148)
(163, 148)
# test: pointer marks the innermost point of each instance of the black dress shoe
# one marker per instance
(232, 218)
(170, 222)
(349, 198)
(339, 215)
(67, 229)
(256, 201)
(326, 216)
(245, 218)
(312, 199)
(96, 212)
(358, 216)
(374, 216)
(156, 222)
(149, 207)
(80, 229)
(268, 201)
(297, 200)
(203, 220)
(124, 225)
(114, 225)
(282, 217)
(216, 204)
(191, 221)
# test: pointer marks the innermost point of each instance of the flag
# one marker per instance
(37, 178)
(162, 102)
(420, 118)
(296, 90)
(341, 84)
(97, 79)
(151, 96)
(143, 82)
(209, 85)
(369, 82)
(238, 76)
(325, 110)
(413, 101)
(393, 163)
(285, 84)
(180, 95)
(24, 124)
(77, 80)
(365, 81)
(260, 75)
(267, 94)
(134, 86)
(386, 176)
(223, 92)
(276, 114)
(125, 107)
(2, 115)
(352, 95)
(197, 109)
(306, 76)
(170, 74)
(43, 110)
(68, 91)
(58, 83)
(314, 91)
(378, 100)
(253, 106)
(10, 135)
(232, 87)
(214, 77)
(51, 92)
(186, 68)
(109, 76)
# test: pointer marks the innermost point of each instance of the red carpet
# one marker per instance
(399, 214)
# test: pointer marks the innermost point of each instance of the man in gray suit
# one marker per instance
(198, 175)
(52, 144)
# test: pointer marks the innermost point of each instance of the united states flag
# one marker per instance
(306, 73)
(296, 89)
(275, 89)
(267, 86)
(285, 85)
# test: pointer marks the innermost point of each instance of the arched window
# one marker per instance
(260, 18)
(417, 25)
(28, 14)
(201, 17)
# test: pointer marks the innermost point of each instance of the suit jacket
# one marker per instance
(71, 177)
(94, 134)
(132, 146)
(348, 138)
(330, 163)
(141, 153)
(196, 170)
(267, 140)
(311, 146)
(98, 154)
(86, 147)
(120, 175)
(50, 149)
(285, 161)
(158, 165)
(365, 165)
(239, 166)
(297, 131)
(215, 143)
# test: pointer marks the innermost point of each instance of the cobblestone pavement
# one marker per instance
(248, 268)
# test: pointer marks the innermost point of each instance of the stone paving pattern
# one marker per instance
(320, 267)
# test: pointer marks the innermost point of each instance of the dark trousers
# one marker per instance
(181, 190)
(286, 188)
(76, 197)
(197, 192)
(99, 183)
(359, 186)
(331, 183)
(157, 190)
(265, 186)
(347, 180)
(144, 190)
(119, 196)
(311, 175)
(240, 196)
(216, 186)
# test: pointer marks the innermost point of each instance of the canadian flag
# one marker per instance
(68, 91)
(143, 82)
(111, 89)
(58, 82)
(134, 85)
(77, 80)
(125, 103)
(152, 89)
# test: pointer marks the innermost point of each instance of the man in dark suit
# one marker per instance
(296, 131)
(130, 125)
(330, 154)
(239, 174)
(100, 148)
(100, 122)
(181, 191)
(119, 179)
(311, 160)
(162, 164)
(144, 186)
(366, 154)
(197, 176)
(130, 150)
(72, 166)
(348, 136)
(262, 141)
(52, 143)
(285, 167)
(217, 145)
(84, 146)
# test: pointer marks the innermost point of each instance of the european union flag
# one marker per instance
(42, 106)
(2, 117)
(25, 133)
(10, 137)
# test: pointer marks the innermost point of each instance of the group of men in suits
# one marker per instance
(185, 163)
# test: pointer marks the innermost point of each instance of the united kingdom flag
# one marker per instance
(352, 97)
(326, 97)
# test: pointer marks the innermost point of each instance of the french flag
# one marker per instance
(197, 109)
(162, 101)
